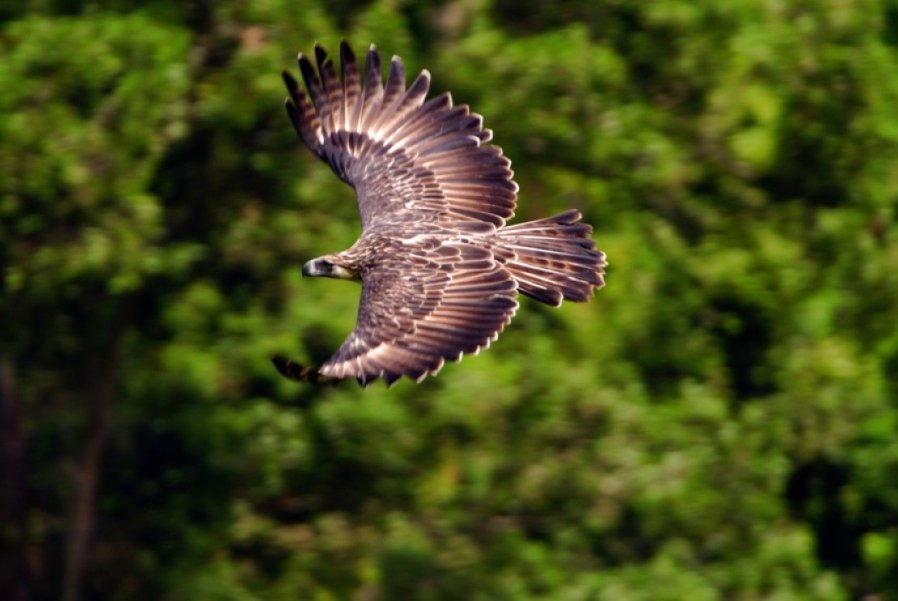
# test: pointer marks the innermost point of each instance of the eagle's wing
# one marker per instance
(421, 308)
(406, 158)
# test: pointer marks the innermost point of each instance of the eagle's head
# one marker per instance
(329, 266)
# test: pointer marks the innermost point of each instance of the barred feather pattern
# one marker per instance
(456, 301)
(552, 259)
(406, 158)
(439, 267)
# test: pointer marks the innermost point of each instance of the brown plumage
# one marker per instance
(440, 270)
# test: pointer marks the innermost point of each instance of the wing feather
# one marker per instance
(373, 90)
(408, 158)
(394, 88)
(352, 87)
(413, 98)
(432, 304)
(313, 84)
(332, 90)
(302, 114)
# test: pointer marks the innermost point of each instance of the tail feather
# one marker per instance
(553, 259)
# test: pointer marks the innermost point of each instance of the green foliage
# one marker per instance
(721, 422)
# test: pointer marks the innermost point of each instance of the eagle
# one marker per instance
(439, 266)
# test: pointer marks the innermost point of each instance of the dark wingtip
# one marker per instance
(346, 50)
(372, 60)
(293, 114)
(320, 55)
(391, 378)
(294, 371)
(569, 217)
(307, 70)
(290, 82)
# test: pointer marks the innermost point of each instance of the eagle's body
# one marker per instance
(440, 269)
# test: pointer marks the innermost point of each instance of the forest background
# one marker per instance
(720, 422)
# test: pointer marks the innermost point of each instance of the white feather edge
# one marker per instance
(330, 370)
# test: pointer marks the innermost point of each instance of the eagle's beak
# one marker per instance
(323, 268)
(308, 269)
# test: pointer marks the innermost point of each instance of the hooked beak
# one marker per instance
(323, 268)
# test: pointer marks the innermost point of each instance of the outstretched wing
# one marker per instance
(406, 158)
(422, 308)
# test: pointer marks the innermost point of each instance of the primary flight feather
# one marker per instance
(439, 267)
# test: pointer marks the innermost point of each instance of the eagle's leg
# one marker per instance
(295, 371)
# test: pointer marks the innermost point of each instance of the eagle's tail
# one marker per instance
(553, 258)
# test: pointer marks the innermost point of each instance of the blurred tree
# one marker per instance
(91, 106)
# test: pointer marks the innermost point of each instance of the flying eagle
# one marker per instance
(439, 267)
